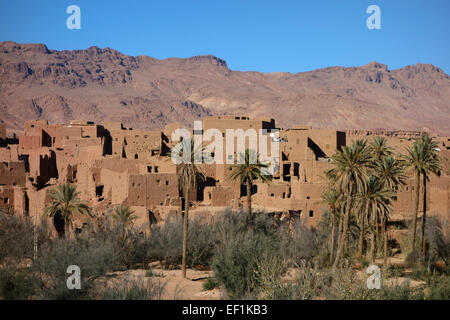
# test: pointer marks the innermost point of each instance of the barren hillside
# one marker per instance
(143, 92)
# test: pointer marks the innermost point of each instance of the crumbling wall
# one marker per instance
(12, 173)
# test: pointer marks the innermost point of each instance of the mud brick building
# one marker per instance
(112, 165)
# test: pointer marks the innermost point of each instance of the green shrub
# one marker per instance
(134, 290)
(440, 288)
(17, 236)
(392, 271)
(299, 244)
(94, 259)
(201, 243)
(437, 241)
(240, 250)
(235, 263)
(210, 284)
(420, 273)
(17, 283)
(129, 246)
(345, 285)
(166, 244)
(306, 286)
(150, 273)
(399, 292)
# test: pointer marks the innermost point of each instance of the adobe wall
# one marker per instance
(5, 154)
(41, 164)
(12, 173)
(2, 135)
(32, 126)
(115, 186)
(218, 196)
(6, 197)
(157, 164)
(30, 142)
(151, 190)
(12, 198)
(224, 123)
(136, 144)
(111, 165)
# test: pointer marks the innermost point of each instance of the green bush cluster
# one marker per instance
(134, 290)
(249, 261)
(210, 284)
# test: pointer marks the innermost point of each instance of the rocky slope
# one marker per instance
(143, 92)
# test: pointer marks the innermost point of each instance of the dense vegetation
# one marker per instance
(252, 255)
(248, 263)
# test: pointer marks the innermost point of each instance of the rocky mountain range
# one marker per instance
(143, 92)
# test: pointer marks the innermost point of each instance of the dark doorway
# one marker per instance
(253, 190)
(296, 169)
(287, 171)
(27, 205)
(151, 218)
(58, 223)
(99, 191)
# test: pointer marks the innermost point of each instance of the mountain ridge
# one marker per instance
(147, 93)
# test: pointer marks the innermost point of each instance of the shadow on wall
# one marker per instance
(316, 149)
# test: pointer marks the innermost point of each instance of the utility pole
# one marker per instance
(35, 248)
(146, 207)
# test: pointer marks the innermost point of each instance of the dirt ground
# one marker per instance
(175, 287)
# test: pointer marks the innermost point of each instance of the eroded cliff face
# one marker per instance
(143, 92)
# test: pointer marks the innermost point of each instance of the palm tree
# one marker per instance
(374, 203)
(390, 173)
(361, 218)
(189, 175)
(249, 169)
(380, 148)
(65, 204)
(431, 165)
(332, 199)
(423, 159)
(124, 215)
(350, 170)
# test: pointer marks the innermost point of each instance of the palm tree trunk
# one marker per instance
(333, 235)
(347, 233)
(377, 236)
(344, 231)
(66, 230)
(424, 217)
(416, 209)
(385, 241)
(185, 231)
(62, 233)
(372, 246)
(249, 204)
(361, 239)
(340, 230)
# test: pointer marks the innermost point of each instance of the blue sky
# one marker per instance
(260, 35)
